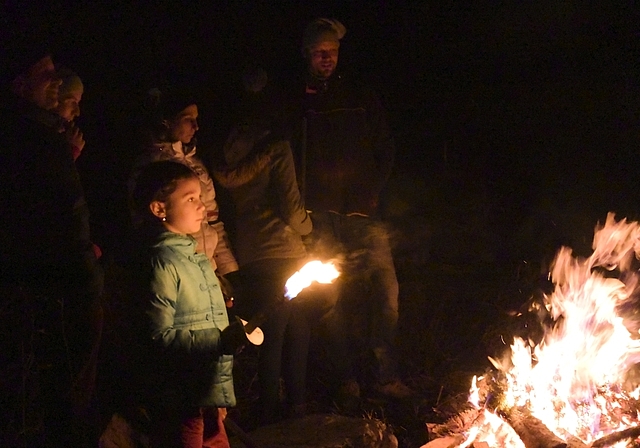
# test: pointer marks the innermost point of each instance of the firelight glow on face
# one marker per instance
(184, 208)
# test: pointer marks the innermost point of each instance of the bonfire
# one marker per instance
(575, 388)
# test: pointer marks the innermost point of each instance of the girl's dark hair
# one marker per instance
(156, 182)
(165, 104)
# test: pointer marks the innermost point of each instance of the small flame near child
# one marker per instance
(313, 271)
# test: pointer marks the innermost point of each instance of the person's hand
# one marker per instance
(96, 250)
(233, 337)
(75, 138)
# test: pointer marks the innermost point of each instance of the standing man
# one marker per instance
(50, 279)
(345, 154)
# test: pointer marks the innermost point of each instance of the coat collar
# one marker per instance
(183, 244)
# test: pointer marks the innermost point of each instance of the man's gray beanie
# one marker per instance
(322, 30)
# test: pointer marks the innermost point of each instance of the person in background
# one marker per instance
(174, 123)
(51, 280)
(345, 152)
(68, 109)
(69, 97)
(270, 220)
(184, 323)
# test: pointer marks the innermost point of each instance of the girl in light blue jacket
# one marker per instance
(186, 329)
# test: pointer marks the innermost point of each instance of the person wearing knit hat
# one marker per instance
(344, 152)
(69, 94)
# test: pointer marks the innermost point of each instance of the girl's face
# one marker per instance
(183, 210)
(184, 126)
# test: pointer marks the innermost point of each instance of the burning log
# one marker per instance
(532, 431)
(608, 440)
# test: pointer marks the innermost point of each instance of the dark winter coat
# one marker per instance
(343, 146)
(45, 238)
(260, 176)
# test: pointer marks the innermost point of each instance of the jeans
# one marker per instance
(362, 245)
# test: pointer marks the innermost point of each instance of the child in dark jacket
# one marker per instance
(186, 331)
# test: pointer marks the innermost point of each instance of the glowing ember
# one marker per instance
(313, 271)
(576, 380)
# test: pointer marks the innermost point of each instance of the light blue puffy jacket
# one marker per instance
(186, 314)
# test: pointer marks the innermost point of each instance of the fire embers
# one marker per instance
(574, 387)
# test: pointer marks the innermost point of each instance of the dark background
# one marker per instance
(525, 107)
(526, 110)
(516, 124)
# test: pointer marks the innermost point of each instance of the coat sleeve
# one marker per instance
(290, 204)
(225, 260)
(223, 254)
(160, 312)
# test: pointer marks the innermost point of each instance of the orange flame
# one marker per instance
(574, 381)
(313, 271)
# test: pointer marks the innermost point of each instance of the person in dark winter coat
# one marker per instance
(47, 263)
(270, 220)
(345, 153)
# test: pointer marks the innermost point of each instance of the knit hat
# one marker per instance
(71, 82)
(322, 30)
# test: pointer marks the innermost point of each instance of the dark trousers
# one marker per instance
(264, 282)
(287, 330)
(362, 244)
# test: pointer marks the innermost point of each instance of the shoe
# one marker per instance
(394, 389)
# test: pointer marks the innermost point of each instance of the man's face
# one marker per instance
(323, 59)
(40, 84)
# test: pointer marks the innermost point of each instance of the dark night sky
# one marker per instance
(535, 101)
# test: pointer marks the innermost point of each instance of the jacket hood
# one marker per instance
(246, 153)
